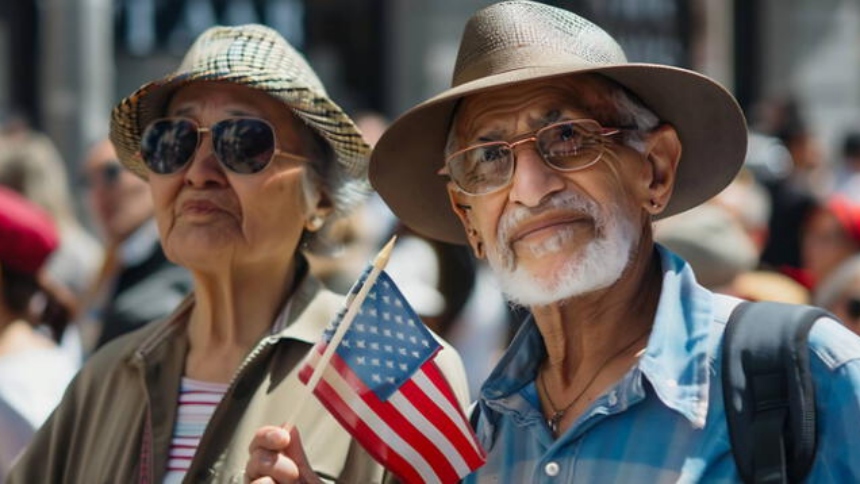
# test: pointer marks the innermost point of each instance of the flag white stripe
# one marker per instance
(431, 431)
(380, 427)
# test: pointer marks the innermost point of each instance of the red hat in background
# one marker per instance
(848, 214)
(27, 233)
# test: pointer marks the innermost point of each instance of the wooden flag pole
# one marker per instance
(353, 306)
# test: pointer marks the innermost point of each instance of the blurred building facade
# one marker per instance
(64, 63)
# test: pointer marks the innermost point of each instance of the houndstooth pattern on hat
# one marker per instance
(257, 57)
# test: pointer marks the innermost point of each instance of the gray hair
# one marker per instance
(343, 190)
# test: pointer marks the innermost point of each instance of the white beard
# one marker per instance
(599, 265)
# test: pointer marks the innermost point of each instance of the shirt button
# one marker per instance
(613, 399)
(551, 469)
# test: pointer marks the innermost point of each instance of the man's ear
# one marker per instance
(662, 154)
(462, 209)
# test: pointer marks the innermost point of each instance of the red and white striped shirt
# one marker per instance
(197, 402)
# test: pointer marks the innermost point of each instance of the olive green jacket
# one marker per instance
(116, 420)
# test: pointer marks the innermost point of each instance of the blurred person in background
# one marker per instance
(31, 165)
(839, 293)
(748, 202)
(713, 242)
(724, 257)
(136, 283)
(848, 168)
(34, 372)
(830, 236)
(746, 199)
(248, 160)
(793, 171)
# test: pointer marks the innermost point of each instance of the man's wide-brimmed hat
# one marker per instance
(257, 57)
(519, 41)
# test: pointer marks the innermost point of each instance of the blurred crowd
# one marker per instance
(787, 229)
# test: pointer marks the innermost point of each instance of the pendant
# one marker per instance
(554, 421)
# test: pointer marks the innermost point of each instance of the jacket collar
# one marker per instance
(304, 317)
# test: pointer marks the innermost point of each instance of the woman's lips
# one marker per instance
(200, 208)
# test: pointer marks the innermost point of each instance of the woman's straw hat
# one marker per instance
(257, 57)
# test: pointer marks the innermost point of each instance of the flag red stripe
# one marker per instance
(434, 413)
(402, 425)
(375, 446)
(441, 419)
(435, 375)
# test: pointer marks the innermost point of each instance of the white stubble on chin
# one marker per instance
(599, 265)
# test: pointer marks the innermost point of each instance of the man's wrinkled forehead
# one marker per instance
(541, 101)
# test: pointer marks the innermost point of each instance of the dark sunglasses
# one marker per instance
(566, 146)
(242, 145)
(106, 175)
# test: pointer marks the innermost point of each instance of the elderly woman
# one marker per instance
(247, 160)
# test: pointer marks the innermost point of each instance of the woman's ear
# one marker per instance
(462, 208)
(321, 207)
(663, 152)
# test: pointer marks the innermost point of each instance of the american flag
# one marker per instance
(383, 386)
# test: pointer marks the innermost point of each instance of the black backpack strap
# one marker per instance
(768, 391)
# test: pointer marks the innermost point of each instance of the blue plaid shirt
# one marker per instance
(664, 421)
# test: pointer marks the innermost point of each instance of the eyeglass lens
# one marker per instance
(242, 145)
(566, 146)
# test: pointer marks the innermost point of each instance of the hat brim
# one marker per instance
(710, 124)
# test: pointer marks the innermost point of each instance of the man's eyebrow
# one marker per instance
(492, 135)
(550, 117)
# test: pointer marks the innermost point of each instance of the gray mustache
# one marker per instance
(563, 201)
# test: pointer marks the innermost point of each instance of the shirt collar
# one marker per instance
(676, 362)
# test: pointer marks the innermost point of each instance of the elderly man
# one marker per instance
(556, 154)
